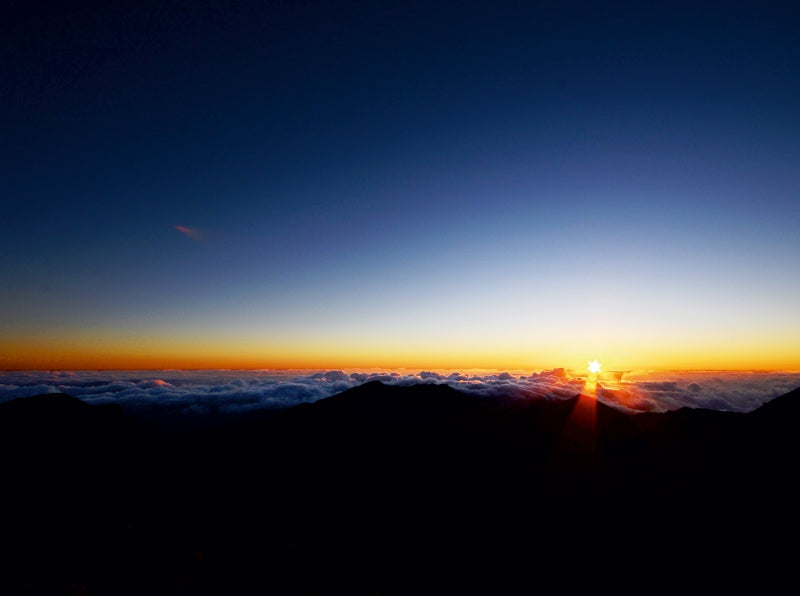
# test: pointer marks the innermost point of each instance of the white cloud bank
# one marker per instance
(231, 392)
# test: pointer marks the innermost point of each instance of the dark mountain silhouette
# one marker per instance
(385, 489)
(782, 410)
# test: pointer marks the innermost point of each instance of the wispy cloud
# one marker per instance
(192, 233)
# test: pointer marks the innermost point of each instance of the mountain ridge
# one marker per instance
(412, 481)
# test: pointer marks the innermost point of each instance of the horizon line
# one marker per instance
(408, 368)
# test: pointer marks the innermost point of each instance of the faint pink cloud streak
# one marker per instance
(190, 232)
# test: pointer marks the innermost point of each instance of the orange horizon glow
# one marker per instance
(90, 353)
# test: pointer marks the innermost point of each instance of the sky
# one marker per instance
(524, 185)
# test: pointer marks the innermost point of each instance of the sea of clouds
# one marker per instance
(231, 392)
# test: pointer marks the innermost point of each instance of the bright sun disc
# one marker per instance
(594, 367)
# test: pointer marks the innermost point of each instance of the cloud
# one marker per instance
(192, 233)
(727, 391)
(192, 393)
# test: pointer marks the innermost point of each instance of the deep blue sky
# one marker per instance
(444, 183)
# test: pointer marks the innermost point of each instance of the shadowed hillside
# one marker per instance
(385, 489)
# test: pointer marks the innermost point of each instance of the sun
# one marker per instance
(594, 367)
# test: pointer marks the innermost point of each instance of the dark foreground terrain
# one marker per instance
(384, 490)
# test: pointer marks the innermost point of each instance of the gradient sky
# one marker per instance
(520, 185)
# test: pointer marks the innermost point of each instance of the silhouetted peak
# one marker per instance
(52, 416)
(787, 405)
(44, 404)
(376, 395)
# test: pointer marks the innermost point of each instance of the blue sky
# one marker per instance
(452, 184)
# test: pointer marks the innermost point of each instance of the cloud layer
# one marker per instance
(233, 392)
